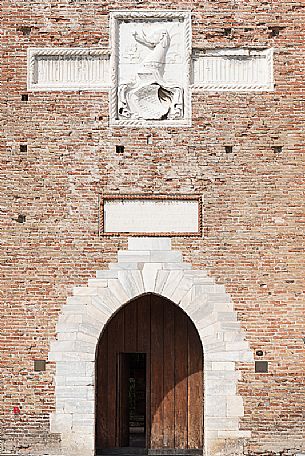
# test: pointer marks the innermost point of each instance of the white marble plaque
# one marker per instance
(68, 69)
(233, 69)
(149, 216)
(151, 58)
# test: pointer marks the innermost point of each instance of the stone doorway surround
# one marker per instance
(148, 266)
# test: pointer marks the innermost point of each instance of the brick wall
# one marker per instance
(253, 202)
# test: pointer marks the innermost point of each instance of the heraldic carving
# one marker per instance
(151, 79)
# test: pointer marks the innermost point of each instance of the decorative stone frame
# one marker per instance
(115, 17)
(251, 53)
(148, 266)
(196, 198)
(32, 78)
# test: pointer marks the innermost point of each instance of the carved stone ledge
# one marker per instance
(233, 69)
(68, 69)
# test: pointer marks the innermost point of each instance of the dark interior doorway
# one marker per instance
(131, 400)
(137, 399)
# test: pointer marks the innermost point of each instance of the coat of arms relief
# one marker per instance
(151, 68)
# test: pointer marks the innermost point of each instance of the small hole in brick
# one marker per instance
(119, 149)
(227, 31)
(23, 148)
(274, 31)
(24, 97)
(21, 218)
(228, 149)
(39, 365)
(259, 353)
(261, 366)
(149, 139)
(25, 30)
(277, 149)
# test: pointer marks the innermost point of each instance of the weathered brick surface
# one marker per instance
(253, 203)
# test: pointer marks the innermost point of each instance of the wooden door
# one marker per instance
(174, 381)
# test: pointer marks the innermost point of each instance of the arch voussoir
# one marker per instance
(148, 266)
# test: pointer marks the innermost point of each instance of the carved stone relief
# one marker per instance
(68, 69)
(151, 68)
(233, 69)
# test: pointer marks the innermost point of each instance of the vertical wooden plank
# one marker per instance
(169, 376)
(195, 389)
(157, 355)
(115, 345)
(102, 392)
(143, 324)
(181, 372)
(143, 346)
(130, 327)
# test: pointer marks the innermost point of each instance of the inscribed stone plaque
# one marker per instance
(152, 216)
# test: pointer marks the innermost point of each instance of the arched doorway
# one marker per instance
(149, 379)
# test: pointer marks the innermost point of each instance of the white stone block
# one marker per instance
(225, 375)
(62, 346)
(104, 305)
(99, 283)
(217, 346)
(235, 406)
(234, 434)
(67, 336)
(100, 311)
(79, 406)
(60, 380)
(225, 356)
(176, 266)
(149, 243)
(79, 381)
(160, 281)
(223, 366)
(83, 419)
(90, 369)
(90, 329)
(65, 368)
(126, 265)
(84, 347)
(172, 282)
(204, 280)
(134, 256)
(85, 291)
(106, 274)
(215, 406)
(132, 282)
(149, 274)
(233, 336)
(85, 337)
(209, 330)
(60, 422)
(182, 289)
(69, 319)
(76, 392)
(80, 301)
(117, 290)
(170, 256)
(222, 388)
(221, 424)
(240, 345)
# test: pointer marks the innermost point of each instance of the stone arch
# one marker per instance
(148, 266)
